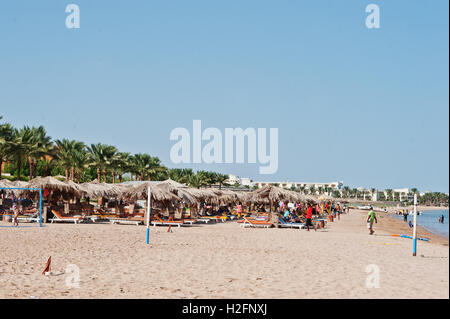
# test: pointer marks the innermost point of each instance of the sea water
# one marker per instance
(430, 221)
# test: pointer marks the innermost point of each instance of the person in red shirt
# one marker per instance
(309, 218)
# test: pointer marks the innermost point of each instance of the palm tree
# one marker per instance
(120, 165)
(21, 147)
(208, 178)
(155, 168)
(68, 153)
(81, 161)
(6, 135)
(312, 189)
(44, 147)
(221, 178)
(196, 181)
(101, 156)
(180, 175)
(140, 165)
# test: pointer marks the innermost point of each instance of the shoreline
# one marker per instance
(393, 225)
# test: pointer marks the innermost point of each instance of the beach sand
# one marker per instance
(222, 261)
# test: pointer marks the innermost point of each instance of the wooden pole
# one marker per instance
(149, 209)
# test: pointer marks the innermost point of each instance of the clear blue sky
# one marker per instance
(369, 107)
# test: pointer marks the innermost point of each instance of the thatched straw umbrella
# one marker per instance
(56, 188)
(161, 194)
(5, 183)
(100, 190)
(52, 189)
(274, 194)
(270, 194)
(134, 193)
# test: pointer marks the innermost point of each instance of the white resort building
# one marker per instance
(244, 181)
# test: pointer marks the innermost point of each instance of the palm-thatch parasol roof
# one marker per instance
(51, 184)
(180, 190)
(6, 183)
(97, 190)
(270, 193)
(160, 193)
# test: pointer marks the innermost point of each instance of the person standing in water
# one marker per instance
(371, 217)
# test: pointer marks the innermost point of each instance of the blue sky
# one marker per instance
(366, 106)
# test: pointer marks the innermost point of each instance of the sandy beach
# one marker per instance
(221, 261)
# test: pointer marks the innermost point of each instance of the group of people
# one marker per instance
(297, 213)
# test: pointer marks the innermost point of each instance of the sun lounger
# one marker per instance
(28, 219)
(285, 224)
(160, 222)
(189, 221)
(204, 220)
(127, 221)
(255, 223)
(166, 223)
(223, 219)
(59, 218)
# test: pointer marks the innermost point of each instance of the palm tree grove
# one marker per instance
(28, 152)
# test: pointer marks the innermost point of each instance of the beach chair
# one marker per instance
(59, 218)
(284, 224)
(222, 219)
(29, 218)
(189, 221)
(127, 221)
(204, 220)
(160, 222)
(255, 223)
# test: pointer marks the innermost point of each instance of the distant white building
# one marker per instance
(330, 186)
(401, 194)
(245, 181)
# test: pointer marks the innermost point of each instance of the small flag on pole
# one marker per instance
(47, 268)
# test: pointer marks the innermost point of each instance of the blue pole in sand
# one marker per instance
(40, 207)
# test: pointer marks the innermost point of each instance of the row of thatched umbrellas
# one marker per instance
(165, 191)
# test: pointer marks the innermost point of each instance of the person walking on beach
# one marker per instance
(371, 217)
(442, 219)
(405, 216)
(15, 216)
(309, 212)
